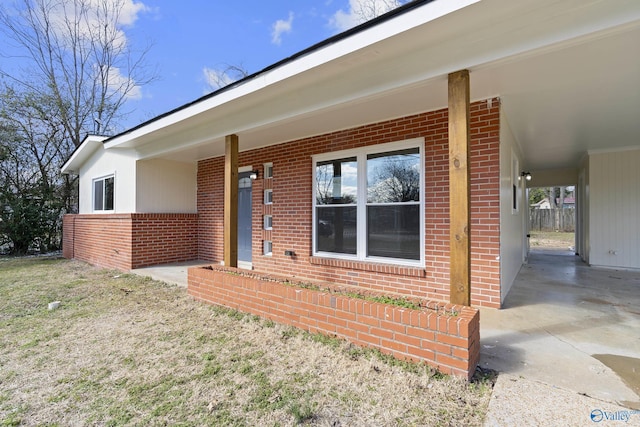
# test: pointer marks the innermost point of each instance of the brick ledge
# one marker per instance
(398, 270)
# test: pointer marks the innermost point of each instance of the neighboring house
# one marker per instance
(568, 203)
(349, 144)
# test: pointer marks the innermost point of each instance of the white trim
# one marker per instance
(361, 156)
(86, 149)
(268, 165)
(264, 222)
(266, 243)
(613, 150)
(264, 200)
(328, 53)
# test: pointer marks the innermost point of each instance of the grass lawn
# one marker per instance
(551, 240)
(126, 350)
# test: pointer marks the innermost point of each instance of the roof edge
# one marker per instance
(326, 42)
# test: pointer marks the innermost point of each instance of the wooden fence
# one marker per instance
(552, 219)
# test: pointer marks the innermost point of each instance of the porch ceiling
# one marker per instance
(567, 73)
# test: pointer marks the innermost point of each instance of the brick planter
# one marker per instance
(450, 343)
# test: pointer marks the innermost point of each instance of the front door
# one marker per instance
(244, 220)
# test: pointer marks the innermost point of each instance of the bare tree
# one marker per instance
(365, 10)
(75, 69)
(76, 52)
(225, 75)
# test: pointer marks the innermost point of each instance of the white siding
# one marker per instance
(614, 209)
(512, 223)
(119, 163)
(166, 186)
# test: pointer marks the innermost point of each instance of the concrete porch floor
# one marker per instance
(175, 273)
(569, 326)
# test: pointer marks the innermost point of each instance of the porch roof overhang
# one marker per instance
(566, 73)
(90, 144)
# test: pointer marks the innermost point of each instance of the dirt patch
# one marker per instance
(124, 350)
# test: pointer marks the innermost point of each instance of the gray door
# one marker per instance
(244, 217)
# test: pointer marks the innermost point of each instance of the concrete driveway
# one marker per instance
(570, 327)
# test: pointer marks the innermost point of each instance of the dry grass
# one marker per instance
(125, 350)
(551, 240)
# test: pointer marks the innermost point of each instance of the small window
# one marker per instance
(268, 170)
(268, 197)
(103, 194)
(515, 183)
(268, 222)
(267, 248)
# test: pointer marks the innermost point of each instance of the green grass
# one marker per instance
(124, 350)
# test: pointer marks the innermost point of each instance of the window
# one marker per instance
(268, 197)
(267, 248)
(515, 183)
(103, 194)
(368, 203)
(268, 170)
(268, 222)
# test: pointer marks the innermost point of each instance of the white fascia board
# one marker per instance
(362, 39)
(86, 149)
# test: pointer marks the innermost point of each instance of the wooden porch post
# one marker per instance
(231, 201)
(459, 189)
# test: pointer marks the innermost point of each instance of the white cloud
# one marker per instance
(89, 15)
(217, 78)
(361, 11)
(123, 85)
(281, 27)
(130, 12)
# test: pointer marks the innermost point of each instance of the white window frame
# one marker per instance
(268, 167)
(268, 194)
(93, 193)
(267, 248)
(516, 184)
(361, 156)
(267, 221)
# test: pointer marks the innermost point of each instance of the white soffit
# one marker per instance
(530, 53)
(326, 54)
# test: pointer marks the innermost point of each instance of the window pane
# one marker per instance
(108, 194)
(393, 176)
(336, 229)
(336, 182)
(394, 231)
(98, 195)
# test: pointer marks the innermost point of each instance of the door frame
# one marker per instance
(247, 265)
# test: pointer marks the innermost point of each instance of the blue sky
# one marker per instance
(196, 37)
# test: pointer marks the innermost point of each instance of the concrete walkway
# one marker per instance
(567, 345)
(175, 273)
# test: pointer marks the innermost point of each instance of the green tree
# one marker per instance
(73, 73)
(33, 145)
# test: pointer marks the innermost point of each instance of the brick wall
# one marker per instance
(449, 343)
(292, 207)
(127, 241)
(163, 238)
